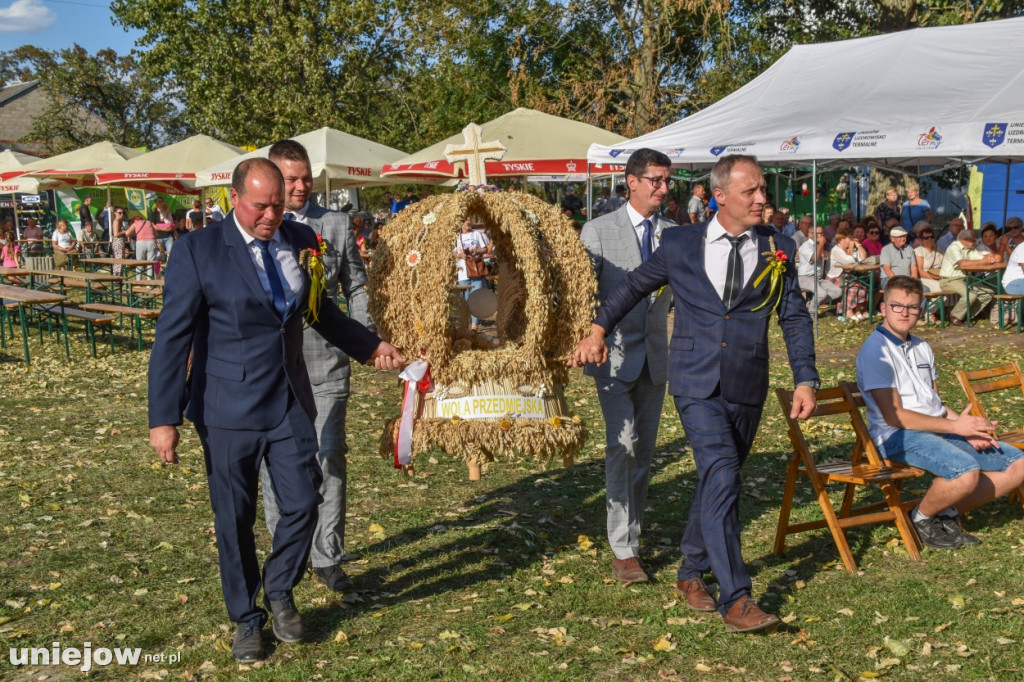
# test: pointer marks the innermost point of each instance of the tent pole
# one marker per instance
(327, 194)
(778, 203)
(814, 237)
(17, 220)
(590, 193)
(1006, 194)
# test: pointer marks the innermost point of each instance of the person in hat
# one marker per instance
(897, 257)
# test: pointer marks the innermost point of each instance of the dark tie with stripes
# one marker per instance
(734, 273)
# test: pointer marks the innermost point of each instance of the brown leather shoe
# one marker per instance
(746, 616)
(696, 594)
(629, 570)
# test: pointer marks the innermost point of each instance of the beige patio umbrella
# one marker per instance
(12, 162)
(171, 169)
(535, 144)
(338, 160)
(77, 168)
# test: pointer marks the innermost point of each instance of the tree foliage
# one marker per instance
(95, 97)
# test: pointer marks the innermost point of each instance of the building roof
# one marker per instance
(10, 92)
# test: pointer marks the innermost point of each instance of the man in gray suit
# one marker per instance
(327, 365)
(631, 385)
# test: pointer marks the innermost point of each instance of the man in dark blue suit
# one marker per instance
(236, 299)
(718, 366)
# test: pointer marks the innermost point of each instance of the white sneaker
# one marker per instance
(840, 318)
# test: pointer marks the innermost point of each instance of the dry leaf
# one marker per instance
(700, 667)
(415, 645)
(341, 637)
(846, 612)
(664, 643)
(376, 528)
(584, 542)
(182, 598)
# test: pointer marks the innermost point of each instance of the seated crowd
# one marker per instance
(901, 247)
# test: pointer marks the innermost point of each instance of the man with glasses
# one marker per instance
(956, 225)
(896, 374)
(631, 386)
(897, 257)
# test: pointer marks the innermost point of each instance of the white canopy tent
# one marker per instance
(950, 94)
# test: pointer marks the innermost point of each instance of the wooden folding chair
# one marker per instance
(862, 467)
(999, 378)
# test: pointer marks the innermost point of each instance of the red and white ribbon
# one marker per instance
(417, 380)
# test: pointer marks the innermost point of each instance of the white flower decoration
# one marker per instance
(429, 219)
(533, 217)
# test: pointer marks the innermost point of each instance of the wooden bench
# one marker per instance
(137, 314)
(935, 301)
(90, 318)
(1012, 302)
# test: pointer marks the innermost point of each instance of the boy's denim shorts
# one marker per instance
(946, 455)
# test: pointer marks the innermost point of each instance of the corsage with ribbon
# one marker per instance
(775, 270)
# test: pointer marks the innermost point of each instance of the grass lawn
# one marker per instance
(505, 578)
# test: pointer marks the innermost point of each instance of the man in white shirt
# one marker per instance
(951, 276)
(896, 375)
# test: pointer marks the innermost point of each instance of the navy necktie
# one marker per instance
(288, 215)
(647, 241)
(734, 272)
(270, 266)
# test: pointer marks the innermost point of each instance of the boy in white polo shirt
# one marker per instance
(908, 422)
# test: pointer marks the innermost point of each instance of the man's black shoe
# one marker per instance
(334, 578)
(935, 534)
(955, 526)
(287, 623)
(248, 644)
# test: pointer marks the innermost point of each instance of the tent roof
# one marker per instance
(78, 167)
(536, 144)
(348, 160)
(170, 168)
(925, 96)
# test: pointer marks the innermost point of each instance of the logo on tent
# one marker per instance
(994, 135)
(718, 150)
(790, 146)
(615, 152)
(842, 141)
(677, 152)
(930, 140)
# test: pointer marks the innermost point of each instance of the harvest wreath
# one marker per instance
(475, 395)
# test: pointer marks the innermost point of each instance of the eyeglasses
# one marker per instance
(898, 308)
(927, 236)
(656, 183)
(873, 232)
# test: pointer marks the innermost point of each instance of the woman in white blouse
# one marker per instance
(848, 252)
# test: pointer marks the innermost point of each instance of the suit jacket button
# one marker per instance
(724, 344)
(282, 330)
(727, 317)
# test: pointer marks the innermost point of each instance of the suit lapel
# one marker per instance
(627, 235)
(238, 253)
(749, 289)
(700, 273)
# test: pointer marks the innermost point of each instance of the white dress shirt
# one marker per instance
(716, 255)
(636, 219)
(287, 264)
(299, 216)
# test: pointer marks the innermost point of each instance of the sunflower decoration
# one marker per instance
(775, 271)
(311, 260)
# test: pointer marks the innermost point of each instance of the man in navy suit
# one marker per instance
(718, 367)
(236, 300)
